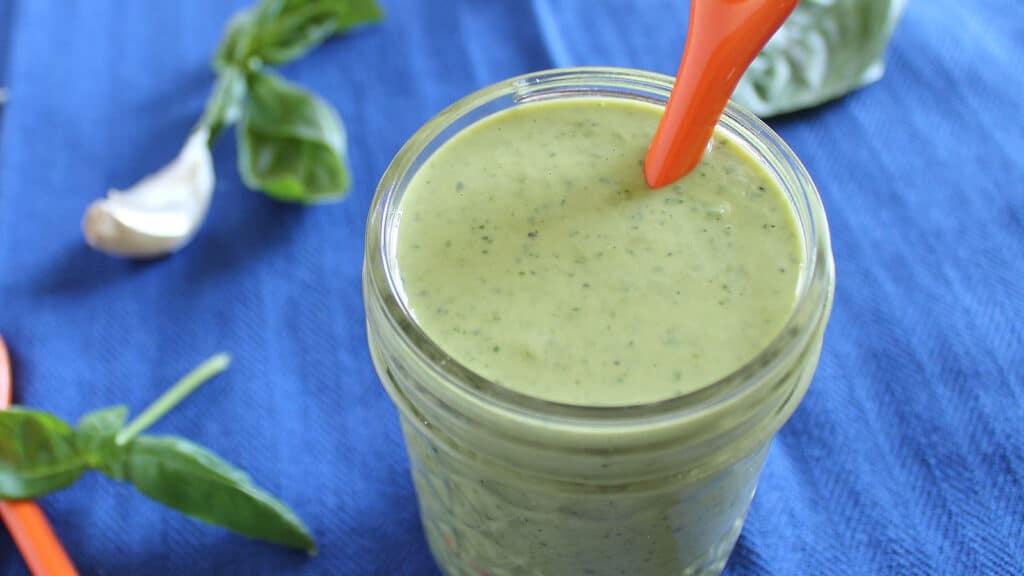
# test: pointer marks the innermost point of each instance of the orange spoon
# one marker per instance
(39, 546)
(723, 39)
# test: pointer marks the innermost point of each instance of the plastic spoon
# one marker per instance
(723, 39)
(32, 533)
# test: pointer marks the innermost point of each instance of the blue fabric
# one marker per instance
(905, 457)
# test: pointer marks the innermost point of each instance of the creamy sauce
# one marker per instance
(531, 251)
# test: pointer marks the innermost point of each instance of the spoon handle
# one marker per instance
(724, 37)
(42, 552)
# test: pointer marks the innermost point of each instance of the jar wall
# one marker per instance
(480, 521)
(483, 514)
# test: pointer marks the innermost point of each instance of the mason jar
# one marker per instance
(510, 484)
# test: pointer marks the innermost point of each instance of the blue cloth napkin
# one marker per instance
(906, 456)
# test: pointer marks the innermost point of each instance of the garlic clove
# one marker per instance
(161, 213)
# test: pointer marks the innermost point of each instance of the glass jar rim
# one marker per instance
(601, 82)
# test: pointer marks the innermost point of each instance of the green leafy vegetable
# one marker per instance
(39, 453)
(101, 425)
(235, 48)
(290, 143)
(190, 479)
(287, 29)
(96, 435)
(825, 49)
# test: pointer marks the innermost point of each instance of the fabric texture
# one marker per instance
(906, 456)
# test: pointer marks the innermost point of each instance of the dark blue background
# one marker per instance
(905, 458)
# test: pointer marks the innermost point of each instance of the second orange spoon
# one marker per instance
(32, 533)
(723, 39)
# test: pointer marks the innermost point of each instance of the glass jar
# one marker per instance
(511, 484)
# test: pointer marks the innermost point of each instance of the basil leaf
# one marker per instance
(291, 144)
(188, 478)
(95, 434)
(224, 107)
(37, 454)
(825, 49)
(278, 31)
(99, 424)
(286, 29)
(235, 49)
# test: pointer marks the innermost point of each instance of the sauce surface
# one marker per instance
(531, 250)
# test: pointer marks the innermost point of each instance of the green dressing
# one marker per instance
(531, 251)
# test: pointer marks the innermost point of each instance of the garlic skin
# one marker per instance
(159, 214)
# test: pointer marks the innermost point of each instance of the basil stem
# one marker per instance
(225, 105)
(194, 379)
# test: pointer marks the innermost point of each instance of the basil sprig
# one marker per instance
(291, 143)
(40, 453)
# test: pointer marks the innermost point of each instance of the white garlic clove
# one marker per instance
(161, 213)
